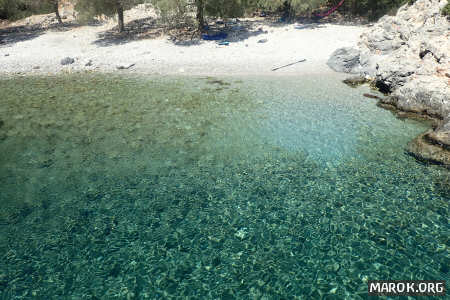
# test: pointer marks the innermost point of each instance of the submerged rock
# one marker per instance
(441, 135)
(371, 96)
(356, 81)
(424, 149)
(407, 55)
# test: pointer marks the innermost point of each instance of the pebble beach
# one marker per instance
(255, 47)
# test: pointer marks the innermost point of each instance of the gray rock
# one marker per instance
(88, 63)
(345, 60)
(368, 63)
(394, 70)
(7, 54)
(424, 94)
(263, 41)
(67, 61)
(408, 55)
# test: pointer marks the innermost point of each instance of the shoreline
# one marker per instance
(253, 51)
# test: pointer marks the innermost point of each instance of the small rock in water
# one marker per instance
(356, 81)
(333, 291)
(371, 96)
(67, 61)
(241, 233)
(36, 68)
(7, 54)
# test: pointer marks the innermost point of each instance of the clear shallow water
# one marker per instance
(253, 188)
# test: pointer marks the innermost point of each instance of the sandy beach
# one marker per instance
(256, 50)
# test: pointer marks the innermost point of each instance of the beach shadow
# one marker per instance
(146, 28)
(187, 43)
(230, 32)
(243, 30)
(309, 26)
(15, 34)
(184, 35)
(12, 35)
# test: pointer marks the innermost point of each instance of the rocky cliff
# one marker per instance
(408, 56)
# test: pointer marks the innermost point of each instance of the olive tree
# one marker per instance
(54, 4)
(203, 8)
(291, 8)
(91, 8)
(15, 9)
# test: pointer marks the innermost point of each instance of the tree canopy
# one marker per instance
(289, 9)
(16, 9)
(91, 8)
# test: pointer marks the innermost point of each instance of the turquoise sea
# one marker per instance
(141, 187)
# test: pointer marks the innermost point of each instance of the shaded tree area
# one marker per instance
(289, 10)
(92, 8)
(372, 9)
(17, 9)
(55, 6)
(199, 10)
(176, 10)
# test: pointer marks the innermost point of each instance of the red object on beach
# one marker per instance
(322, 15)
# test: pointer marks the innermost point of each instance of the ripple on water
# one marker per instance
(115, 187)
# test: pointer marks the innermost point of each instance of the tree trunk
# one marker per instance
(55, 8)
(120, 17)
(373, 10)
(200, 17)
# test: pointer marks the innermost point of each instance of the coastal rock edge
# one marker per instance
(408, 57)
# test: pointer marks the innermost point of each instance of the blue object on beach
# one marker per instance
(214, 37)
(223, 43)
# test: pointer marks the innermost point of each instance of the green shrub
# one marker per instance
(446, 10)
(18, 9)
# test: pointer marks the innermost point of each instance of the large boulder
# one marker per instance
(424, 94)
(345, 60)
(415, 31)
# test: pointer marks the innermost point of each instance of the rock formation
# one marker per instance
(408, 56)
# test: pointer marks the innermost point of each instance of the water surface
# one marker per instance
(255, 188)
